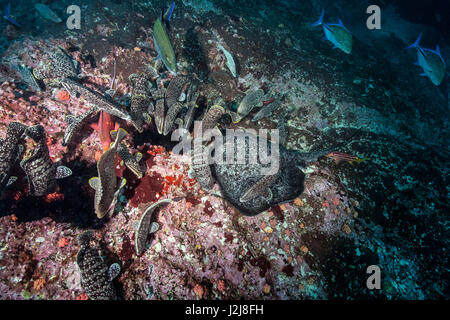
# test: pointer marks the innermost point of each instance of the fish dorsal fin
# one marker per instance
(438, 50)
(62, 172)
(94, 183)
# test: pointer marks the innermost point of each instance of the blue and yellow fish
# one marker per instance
(431, 61)
(9, 18)
(336, 33)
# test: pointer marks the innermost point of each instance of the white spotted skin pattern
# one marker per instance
(94, 275)
(40, 169)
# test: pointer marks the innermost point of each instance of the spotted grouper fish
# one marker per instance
(336, 33)
(60, 65)
(10, 150)
(95, 98)
(96, 277)
(39, 168)
(140, 105)
(105, 185)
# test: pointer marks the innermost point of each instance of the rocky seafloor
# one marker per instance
(390, 210)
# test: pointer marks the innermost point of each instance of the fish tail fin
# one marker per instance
(120, 135)
(168, 15)
(319, 22)
(416, 43)
(8, 9)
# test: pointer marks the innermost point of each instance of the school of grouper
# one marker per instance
(242, 185)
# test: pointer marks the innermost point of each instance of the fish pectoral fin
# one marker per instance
(423, 74)
(121, 134)
(153, 227)
(123, 182)
(147, 117)
(11, 180)
(94, 183)
(135, 225)
(62, 172)
(235, 118)
(122, 163)
(113, 271)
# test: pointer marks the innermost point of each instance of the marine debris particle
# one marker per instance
(47, 13)
(94, 275)
(143, 228)
(230, 61)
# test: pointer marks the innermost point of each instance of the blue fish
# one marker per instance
(336, 33)
(9, 18)
(430, 61)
